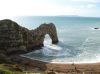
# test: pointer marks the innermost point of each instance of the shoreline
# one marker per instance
(61, 62)
(67, 68)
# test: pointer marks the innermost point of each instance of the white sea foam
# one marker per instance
(87, 55)
(54, 47)
(66, 62)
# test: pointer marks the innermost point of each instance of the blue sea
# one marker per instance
(79, 42)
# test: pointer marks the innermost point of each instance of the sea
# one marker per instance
(79, 41)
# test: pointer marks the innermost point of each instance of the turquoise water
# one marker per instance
(79, 41)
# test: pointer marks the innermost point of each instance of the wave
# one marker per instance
(63, 53)
(59, 50)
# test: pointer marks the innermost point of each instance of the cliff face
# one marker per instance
(15, 39)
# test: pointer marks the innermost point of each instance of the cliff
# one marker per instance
(16, 40)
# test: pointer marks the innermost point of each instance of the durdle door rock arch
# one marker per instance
(16, 40)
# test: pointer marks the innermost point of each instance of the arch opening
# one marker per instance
(47, 40)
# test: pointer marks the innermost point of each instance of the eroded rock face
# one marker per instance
(15, 39)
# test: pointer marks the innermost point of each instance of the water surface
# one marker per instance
(79, 41)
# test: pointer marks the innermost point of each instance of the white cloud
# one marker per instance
(91, 1)
(25, 7)
(88, 12)
(90, 5)
(32, 7)
(9, 8)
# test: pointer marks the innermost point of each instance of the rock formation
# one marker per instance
(16, 40)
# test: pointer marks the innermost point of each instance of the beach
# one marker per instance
(74, 68)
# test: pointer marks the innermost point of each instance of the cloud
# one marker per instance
(87, 6)
(90, 5)
(9, 8)
(19, 6)
(32, 7)
(90, 1)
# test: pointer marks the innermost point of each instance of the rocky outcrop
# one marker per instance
(16, 40)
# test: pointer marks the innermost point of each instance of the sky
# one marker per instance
(88, 8)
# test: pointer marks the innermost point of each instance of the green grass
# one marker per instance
(6, 69)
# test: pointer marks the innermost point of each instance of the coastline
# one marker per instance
(62, 62)
(66, 67)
